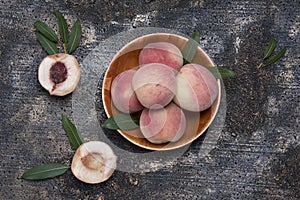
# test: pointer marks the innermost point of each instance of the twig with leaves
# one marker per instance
(190, 50)
(51, 170)
(49, 40)
(266, 61)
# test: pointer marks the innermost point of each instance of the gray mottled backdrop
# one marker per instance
(257, 154)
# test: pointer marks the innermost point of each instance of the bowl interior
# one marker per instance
(127, 58)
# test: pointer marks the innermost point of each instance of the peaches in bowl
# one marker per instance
(174, 102)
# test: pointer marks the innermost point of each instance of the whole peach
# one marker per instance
(122, 94)
(154, 85)
(197, 88)
(162, 52)
(163, 125)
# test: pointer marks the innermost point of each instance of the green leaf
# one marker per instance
(196, 36)
(270, 49)
(220, 72)
(45, 171)
(190, 49)
(72, 132)
(48, 46)
(273, 59)
(44, 29)
(75, 37)
(63, 26)
(226, 73)
(121, 122)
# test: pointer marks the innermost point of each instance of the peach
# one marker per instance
(162, 52)
(163, 125)
(197, 88)
(154, 85)
(122, 94)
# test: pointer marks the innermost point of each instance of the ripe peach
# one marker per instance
(196, 88)
(122, 94)
(161, 52)
(154, 85)
(163, 125)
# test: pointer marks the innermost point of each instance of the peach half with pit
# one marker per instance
(59, 74)
(197, 88)
(93, 162)
(161, 52)
(154, 85)
(163, 125)
(122, 93)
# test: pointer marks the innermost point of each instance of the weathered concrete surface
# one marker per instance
(257, 155)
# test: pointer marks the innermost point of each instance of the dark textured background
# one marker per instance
(257, 155)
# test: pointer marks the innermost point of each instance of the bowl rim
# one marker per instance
(213, 114)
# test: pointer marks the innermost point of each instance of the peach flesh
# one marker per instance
(162, 52)
(197, 88)
(163, 125)
(122, 94)
(154, 85)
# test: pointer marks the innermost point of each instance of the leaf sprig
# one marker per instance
(266, 61)
(49, 40)
(51, 170)
(190, 50)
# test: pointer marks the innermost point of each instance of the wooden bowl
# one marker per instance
(127, 58)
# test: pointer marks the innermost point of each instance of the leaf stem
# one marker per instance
(260, 65)
(65, 48)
